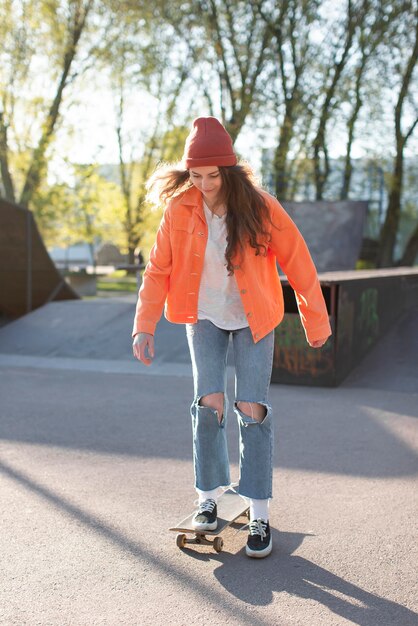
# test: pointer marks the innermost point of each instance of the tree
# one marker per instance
(26, 41)
(240, 40)
(141, 62)
(77, 12)
(339, 54)
(15, 56)
(374, 35)
(405, 62)
(290, 24)
(227, 43)
(87, 209)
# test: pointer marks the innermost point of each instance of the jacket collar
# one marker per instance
(193, 197)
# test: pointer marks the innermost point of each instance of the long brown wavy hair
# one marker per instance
(247, 212)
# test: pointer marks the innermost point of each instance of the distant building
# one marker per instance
(109, 254)
(79, 254)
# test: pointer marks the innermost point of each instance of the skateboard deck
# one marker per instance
(230, 507)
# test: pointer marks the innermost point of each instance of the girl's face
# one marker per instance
(208, 180)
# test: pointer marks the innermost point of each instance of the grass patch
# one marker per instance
(119, 274)
(117, 281)
(116, 286)
(365, 265)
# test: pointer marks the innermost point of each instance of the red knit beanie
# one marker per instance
(208, 144)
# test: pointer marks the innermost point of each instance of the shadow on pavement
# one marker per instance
(253, 582)
(256, 583)
(136, 548)
(116, 414)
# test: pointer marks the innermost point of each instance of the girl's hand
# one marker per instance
(318, 343)
(143, 344)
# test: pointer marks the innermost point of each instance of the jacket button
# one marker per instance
(249, 314)
(200, 233)
(236, 267)
(256, 336)
(243, 291)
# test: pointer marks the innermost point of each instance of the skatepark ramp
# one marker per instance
(98, 329)
(28, 276)
(362, 305)
(96, 335)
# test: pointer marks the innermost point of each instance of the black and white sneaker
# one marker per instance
(259, 543)
(206, 515)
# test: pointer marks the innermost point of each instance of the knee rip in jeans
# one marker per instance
(214, 401)
(257, 411)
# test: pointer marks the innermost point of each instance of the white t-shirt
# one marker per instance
(219, 298)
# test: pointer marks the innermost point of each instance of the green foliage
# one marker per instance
(90, 209)
(266, 63)
(113, 282)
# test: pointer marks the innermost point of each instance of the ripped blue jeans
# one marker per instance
(208, 346)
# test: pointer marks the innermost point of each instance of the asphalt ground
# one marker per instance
(95, 456)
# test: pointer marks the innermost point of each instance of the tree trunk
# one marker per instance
(4, 163)
(348, 167)
(391, 224)
(411, 249)
(319, 174)
(282, 150)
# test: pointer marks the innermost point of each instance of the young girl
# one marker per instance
(213, 266)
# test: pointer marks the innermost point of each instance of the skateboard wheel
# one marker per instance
(181, 540)
(218, 544)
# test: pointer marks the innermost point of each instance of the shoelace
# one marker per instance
(207, 505)
(258, 527)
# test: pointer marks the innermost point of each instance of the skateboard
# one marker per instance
(230, 507)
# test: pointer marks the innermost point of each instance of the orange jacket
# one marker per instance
(172, 275)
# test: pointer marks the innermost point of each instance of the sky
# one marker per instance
(88, 135)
